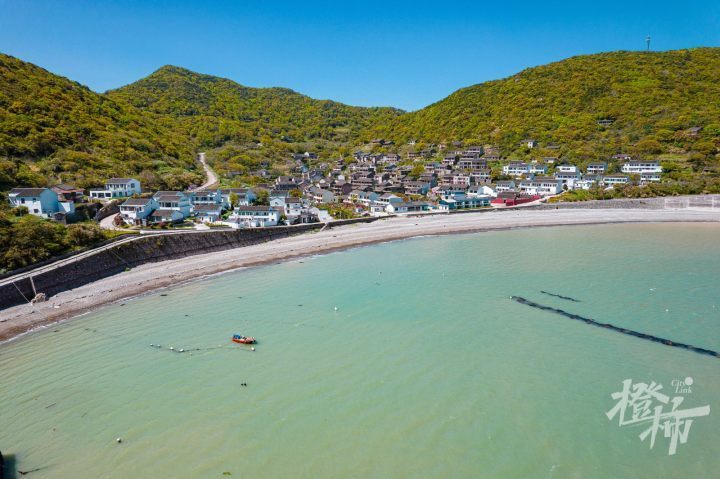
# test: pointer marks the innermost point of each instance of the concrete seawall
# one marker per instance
(655, 203)
(144, 249)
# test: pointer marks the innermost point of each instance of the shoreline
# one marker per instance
(148, 278)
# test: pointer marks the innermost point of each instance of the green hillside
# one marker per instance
(652, 99)
(244, 128)
(53, 129)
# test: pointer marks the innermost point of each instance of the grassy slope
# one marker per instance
(653, 98)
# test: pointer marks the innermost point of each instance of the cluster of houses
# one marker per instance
(370, 184)
(533, 177)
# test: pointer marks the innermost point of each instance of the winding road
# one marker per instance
(212, 179)
(108, 223)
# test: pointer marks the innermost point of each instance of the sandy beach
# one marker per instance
(150, 277)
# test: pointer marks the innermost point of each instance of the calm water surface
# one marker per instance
(426, 369)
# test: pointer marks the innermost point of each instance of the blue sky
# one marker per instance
(403, 54)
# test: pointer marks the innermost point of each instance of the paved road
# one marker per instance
(209, 173)
(108, 223)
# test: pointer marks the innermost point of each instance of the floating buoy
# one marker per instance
(172, 348)
(182, 350)
(252, 349)
(152, 345)
(118, 440)
(335, 308)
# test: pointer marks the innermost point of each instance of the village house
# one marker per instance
(244, 196)
(504, 185)
(512, 198)
(530, 143)
(460, 179)
(365, 198)
(475, 150)
(568, 178)
(597, 168)
(404, 207)
(646, 178)
(387, 198)
(586, 182)
(566, 168)
(612, 180)
(320, 195)
(207, 213)
(622, 156)
(253, 217)
(68, 193)
(136, 211)
(450, 190)
(416, 187)
(538, 168)
(641, 166)
(449, 160)
(482, 176)
(543, 186)
(117, 188)
(206, 197)
(174, 200)
(41, 202)
(341, 187)
(516, 168)
(473, 163)
(165, 215)
(462, 202)
(481, 190)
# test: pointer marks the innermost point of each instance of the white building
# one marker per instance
(174, 200)
(41, 202)
(206, 197)
(543, 186)
(244, 196)
(135, 210)
(646, 178)
(540, 168)
(117, 188)
(641, 166)
(516, 169)
(253, 217)
(566, 168)
(502, 186)
(612, 180)
(207, 213)
(568, 178)
(386, 198)
(599, 168)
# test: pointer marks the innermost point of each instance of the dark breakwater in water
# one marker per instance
(566, 298)
(629, 332)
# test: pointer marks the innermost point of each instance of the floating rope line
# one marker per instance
(171, 349)
(567, 298)
(629, 332)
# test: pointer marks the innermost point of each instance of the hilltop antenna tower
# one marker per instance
(647, 41)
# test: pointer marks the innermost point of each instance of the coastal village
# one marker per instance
(437, 179)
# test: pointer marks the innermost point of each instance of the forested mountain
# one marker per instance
(591, 106)
(582, 109)
(218, 110)
(53, 129)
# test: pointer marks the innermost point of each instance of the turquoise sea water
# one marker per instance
(426, 369)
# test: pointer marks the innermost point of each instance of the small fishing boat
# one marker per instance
(239, 338)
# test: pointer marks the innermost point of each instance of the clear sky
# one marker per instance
(371, 53)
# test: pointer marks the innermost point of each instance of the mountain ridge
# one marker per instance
(55, 129)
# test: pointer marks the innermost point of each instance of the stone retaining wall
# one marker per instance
(145, 249)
